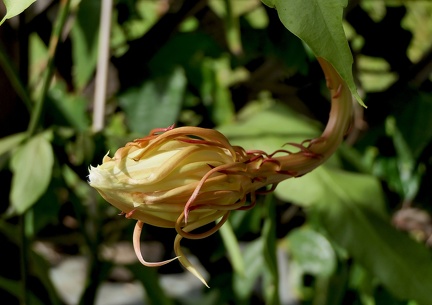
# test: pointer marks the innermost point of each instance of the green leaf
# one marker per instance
(327, 184)
(319, 24)
(84, 36)
(14, 7)
(68, 109)
(409, 175)
(267, 126)
(156, 103)
(271, 278)
(400, 263)
(82, 149)
(233, 248)
(15, 288)
(244, 285)
(10, 142)
(228, 11)
(32, 166)
(352, 209)
(312, 252)
(417, 133)
(215, 89)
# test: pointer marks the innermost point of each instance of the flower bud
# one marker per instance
(151, 179)
(187, 177)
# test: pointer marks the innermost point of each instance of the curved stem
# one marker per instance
(55, 37)
(322, 148)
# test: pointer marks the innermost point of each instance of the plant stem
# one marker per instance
(12, 74)
(55, 38)
(102, 66)
(23, 261)
(232, 30)
(34, 121)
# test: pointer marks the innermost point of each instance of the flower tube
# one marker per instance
(187, 177)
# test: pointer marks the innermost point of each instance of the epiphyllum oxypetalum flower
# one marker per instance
(187, 177)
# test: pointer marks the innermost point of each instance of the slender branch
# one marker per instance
(232, 30)
(12, 74)
(24, 298)
(102, 66)
(34, 120)
(55, 38)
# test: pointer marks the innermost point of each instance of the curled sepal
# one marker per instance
(137, 248)
(184, 232)
(185, 262)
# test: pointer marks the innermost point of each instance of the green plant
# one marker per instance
(232, 66)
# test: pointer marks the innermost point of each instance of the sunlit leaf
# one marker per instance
(268, 126)
(31, 165)
(312, 252)
(319, 24)
(155, 104)
(329, 184)
(10, 142)
(14, 7)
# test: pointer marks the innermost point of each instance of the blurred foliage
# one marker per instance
(355, 231)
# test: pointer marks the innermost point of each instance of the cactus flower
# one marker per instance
(187, 177)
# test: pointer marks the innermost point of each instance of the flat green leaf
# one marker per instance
(155, 104)
(400, 263)
(328, 184)
(233, 248)
(352, 209)
(244, 285)
(319, 24)
(84, 36)
(14, 7)
(312, 252)
(268, 126)
(10, 142)
(31, 165)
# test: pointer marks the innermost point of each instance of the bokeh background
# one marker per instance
(355, 231)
